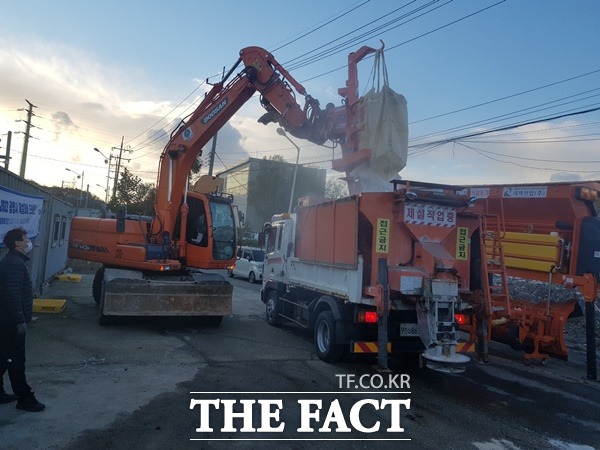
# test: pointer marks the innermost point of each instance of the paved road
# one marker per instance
(131, 385)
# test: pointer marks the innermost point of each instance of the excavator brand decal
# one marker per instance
(214, 112)
(90, 248)
(188, 134)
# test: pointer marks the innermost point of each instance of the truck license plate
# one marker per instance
(409, 329)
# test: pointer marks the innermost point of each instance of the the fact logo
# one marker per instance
(359, 413)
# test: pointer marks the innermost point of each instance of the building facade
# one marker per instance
(262, 187)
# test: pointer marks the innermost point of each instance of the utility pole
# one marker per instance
(26, 141)
(118, 167)
(7, 156)
(110, 158)
(213, 150)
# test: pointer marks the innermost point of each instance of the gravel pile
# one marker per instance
(537, 292)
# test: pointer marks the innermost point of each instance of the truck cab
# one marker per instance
(279, 238)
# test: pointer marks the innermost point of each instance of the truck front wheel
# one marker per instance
(272, 308)
(325, 344)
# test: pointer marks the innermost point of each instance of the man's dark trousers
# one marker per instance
(12, 358)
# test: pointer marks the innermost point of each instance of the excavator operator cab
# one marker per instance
(210, 237)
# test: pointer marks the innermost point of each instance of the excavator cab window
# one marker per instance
(197, 227)
(223, 229)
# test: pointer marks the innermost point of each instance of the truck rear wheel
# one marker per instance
(272, 308)
(325, 344)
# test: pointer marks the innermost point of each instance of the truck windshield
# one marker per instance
(223, 230)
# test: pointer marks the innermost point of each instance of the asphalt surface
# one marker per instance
(131, 385)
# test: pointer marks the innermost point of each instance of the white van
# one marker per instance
(249, 264)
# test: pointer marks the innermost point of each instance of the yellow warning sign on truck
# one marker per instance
(383, 235)
(462, 241)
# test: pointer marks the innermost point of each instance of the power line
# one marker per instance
(303, 35)
(160, 134)
(309, 61)
(558, 161)
(476, 150)
(489, 102)
(322, 24)
(411, 40)
(512, 115)
(509, 127)
(329, 52)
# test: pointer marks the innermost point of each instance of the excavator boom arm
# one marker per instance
(261, 73)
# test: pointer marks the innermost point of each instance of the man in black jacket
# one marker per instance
(16, 303)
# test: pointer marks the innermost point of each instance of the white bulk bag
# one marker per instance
(384, 125)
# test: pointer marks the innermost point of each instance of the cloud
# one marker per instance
(81, 104)
(92, 106)
(229, 146)
(84, 103)
(565, 176)
(146, 107)
(62, 122)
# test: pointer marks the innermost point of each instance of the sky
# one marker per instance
(100, 73)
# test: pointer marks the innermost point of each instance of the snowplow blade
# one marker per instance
(537, 328)
(130, 293)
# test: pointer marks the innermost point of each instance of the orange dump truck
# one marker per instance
(403, 271)
(381, 272)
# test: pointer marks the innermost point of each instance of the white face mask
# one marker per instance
(28, 247)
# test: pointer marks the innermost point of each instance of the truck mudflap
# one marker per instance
(130, 293)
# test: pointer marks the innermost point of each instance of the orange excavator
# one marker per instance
(151, 265)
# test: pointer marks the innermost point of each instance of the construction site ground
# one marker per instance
(129, 385)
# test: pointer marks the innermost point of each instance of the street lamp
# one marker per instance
(101, 187)
(106, 161)
(281, 132)
(79, 175)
